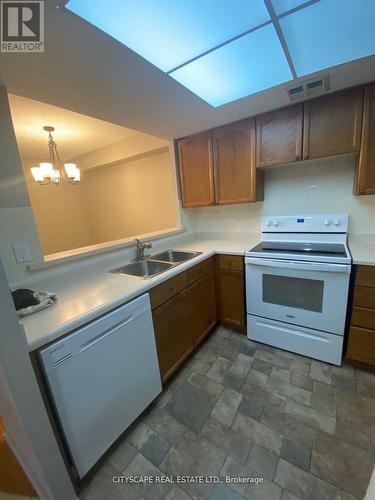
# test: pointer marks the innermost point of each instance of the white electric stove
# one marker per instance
(297, 284)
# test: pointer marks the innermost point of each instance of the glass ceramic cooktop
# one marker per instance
(300, 248)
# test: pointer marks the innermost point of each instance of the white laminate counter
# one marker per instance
(362, 248)
(87, 291)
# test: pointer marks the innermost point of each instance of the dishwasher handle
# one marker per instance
(299, 266)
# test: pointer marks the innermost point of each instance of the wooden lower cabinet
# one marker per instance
(173, 332)
(181, 322)
(361, 341)
(203, 307)
(231, 291)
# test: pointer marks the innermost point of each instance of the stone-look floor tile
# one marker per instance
(122, 456)
(165, 425)
(324, 398)
(241, 366)
(289, 391)
(155, 448)
(226, 406)
(257, 378)
(300, 367)
(226, 439)
(361, 436)
(213, 389)
(175, 493)
(346, 466)
(302, 484)
(219, 369)
(286, 495)
(197, 380)
(190, 406)
(261, 366)
(365, 378)
(342, 383)
(296, 454)
(301, 381)
(247, 348)
(199, 366)
(272, 358)
(286, 424)
(311, 417)
(321, 371)
(251, 407)
(233, 469)
(258, 432)
(102, 486)
(140, 466)
(265, 491)
(281, 373)
(163, 399)
(193, 455)
(223, 492)
(139, 435)
(262, 461)
(233, 382)
(269, 398)
(345, 370)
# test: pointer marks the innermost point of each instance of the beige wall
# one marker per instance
(131, 198)
(60, 213)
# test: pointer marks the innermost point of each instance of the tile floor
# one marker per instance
(242, 409)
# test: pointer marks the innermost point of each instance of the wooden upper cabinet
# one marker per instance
(196, 170)
(234, 163)
(332, 124)
(279, 136)
(365, 174)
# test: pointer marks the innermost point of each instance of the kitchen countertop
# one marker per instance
(88, 291)
(362, 248)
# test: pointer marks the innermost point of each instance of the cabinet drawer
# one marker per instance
(363, 317)
(200, 270)
(235, 262)
(364, 296)
(365, 276)
(168, 289)
(361, 345)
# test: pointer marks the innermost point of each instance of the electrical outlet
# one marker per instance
(21, 252)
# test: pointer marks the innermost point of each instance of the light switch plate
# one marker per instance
(21, 252)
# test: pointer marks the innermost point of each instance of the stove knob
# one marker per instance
(327, 222)
(275, 223)
(268, 223)
(337, 222)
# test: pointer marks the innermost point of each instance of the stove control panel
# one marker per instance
(324, 223)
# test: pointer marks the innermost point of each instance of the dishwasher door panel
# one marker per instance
(99, 392)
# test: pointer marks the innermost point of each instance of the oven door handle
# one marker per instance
(300, 266)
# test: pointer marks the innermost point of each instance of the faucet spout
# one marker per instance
(140, 249)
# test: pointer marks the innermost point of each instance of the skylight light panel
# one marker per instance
(169, 33)
(250, 64)
(328, 33)
(282, 6)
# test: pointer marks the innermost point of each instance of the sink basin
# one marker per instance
(175, 256)
(144, 269)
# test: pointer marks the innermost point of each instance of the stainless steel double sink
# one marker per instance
(156, 264)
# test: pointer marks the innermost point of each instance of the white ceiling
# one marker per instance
(75, 134)
(85, 70)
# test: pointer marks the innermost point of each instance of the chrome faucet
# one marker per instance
(140, 250)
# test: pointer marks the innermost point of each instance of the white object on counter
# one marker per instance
(101, 377)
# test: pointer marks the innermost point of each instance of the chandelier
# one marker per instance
(52, 172)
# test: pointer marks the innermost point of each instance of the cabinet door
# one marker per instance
(234, 165)
(232, 298)
(196, 170)
(203, 302)
(173, 333)
(279, 136)
(365, 174)
(332, 124)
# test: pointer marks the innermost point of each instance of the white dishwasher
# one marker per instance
(101, 377)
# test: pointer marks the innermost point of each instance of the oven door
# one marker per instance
(310, 294)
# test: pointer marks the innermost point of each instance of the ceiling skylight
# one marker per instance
(223, 50)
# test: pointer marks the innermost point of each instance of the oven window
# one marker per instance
(293, 292)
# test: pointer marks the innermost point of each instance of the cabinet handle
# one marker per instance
(171, 288)
(203, 268)
(229, 262)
